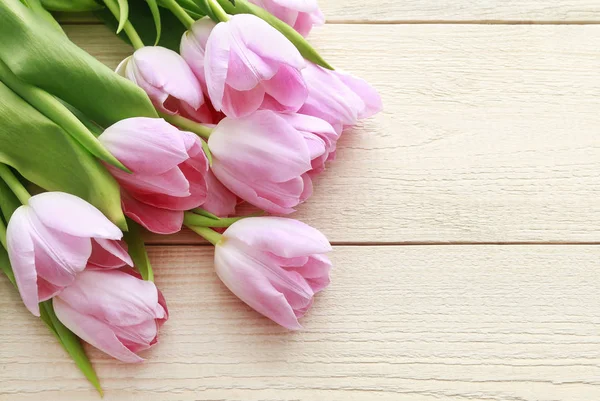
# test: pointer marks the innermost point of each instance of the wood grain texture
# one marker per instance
(421, 323)
(435, 11)
(489, 134)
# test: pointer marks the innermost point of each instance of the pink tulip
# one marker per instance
(246, 63)
(262, 159)
(52, 239)
(169, 171)
(114, 311)
(275, 265)
(167, 80)
(301, 15)
(337, 97)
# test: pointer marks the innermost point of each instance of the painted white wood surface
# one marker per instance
(418, 323)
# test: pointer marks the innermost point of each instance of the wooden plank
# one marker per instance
(489, 134)
(419, 323)
(432, 11)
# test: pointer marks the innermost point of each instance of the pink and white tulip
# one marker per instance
(167, 80)
(247, 64)
(51, 240)
(169, 171)
(275, 265)
(262, 159)
(337, 97)
(301, 15)
(114, 311)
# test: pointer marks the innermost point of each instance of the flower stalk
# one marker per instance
(188, 125)
(208, 234)
(14, 184)
(179, 12)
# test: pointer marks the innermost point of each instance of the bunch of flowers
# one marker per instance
(240, 109)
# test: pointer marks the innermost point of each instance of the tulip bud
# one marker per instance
(52, 240)
(114, 311)
(300, 15)
(245, 63)
(275, 265)
(168, 167)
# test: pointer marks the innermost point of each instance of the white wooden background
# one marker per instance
(465, 220)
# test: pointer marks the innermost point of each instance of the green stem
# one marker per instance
(218, 10)
(3, 233)
(188, 125)
(192, 219)
(14, 184)
(130, 31)
(37, 7)
(205, 213)
(210, 235)
(179, 12)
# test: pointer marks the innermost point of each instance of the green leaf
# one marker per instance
(153, 6)
(206, 9)
(52, 108)
(8, 201)
(37, 7)
(46, 155)
(303, 46)
(123, 14)
(41, 56)
(141, 18)
(137, 250)
(5, 264)
(70, 343)
(71, 5)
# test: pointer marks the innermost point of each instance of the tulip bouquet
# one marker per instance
(222, 102)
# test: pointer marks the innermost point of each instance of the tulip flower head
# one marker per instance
(246, 64)
(337, 97)
(114, 311)
(301, 15)
(275, 265)
(167, 80)
(51, 240)
(169, 171)
(262, 159)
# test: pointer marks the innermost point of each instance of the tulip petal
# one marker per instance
(145, 145)
(156, 220)
(242, 275)
(283, 237)
(287, 87)
(219, 200)
(216, 63)
(237, 104)
(72, 215)
(193, 47)
(168, 72)
(172, 182)
(94, 332)
(304, 6)
(109, 254)
(22, 257)
(113, 296)
(370, 97)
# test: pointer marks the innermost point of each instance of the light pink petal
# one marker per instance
(172, 182)
(305, 6)
(246, 69)
(197, 158)
(109, 254)
(237, 104)
(277, 198)
(72, 215)
(264, 40)
(160, 221)
(261, 145)
(370, 97)
(145, 145)
(287, 87)
(22, 257)
(243, 276)
(59, 257)
(216, 63)
(168, 72)
(193, 47)
(219, 200)
(138, 337)
(308, 187)
(94, 332)
(112, 296)
(47, 290)
(283, 237)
